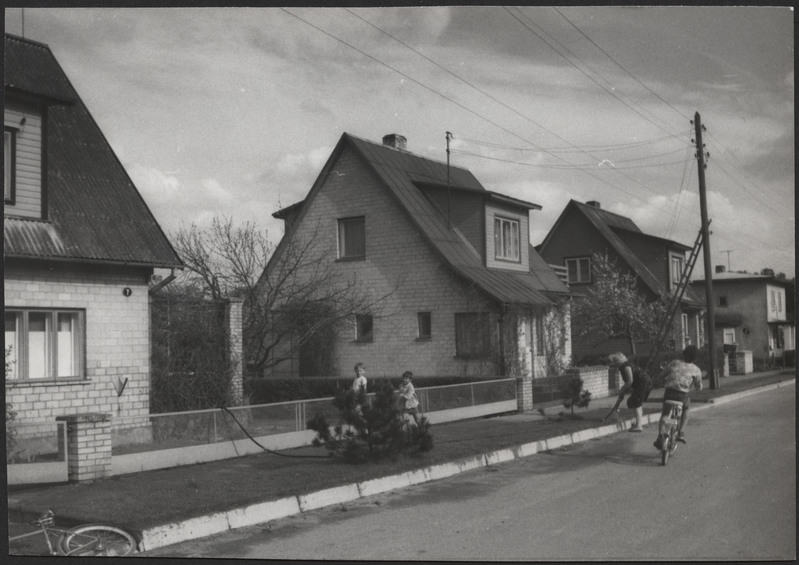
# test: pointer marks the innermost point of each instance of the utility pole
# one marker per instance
(711, 306)
(449, 196)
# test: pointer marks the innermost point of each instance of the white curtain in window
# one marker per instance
(66, 341)
(38, 329)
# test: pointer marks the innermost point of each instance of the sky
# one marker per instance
(232, 112)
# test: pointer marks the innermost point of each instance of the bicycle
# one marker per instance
(84, 540)
(669, 442)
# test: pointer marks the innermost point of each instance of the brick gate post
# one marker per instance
(88, 446)
(235, 339)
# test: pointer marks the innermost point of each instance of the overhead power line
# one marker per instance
(614, 92)
(655, 94)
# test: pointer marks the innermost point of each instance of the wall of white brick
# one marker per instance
(117, 341)
(400, 263)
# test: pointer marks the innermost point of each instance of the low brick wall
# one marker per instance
(601, 381)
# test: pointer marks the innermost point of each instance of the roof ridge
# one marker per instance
(26, 40)
(405, 151)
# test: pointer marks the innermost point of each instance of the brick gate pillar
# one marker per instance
(233, 319)
(88, 446)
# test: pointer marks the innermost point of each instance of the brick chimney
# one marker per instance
(594, 203)
(395, 140)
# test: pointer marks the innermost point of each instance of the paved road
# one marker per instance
(729, 494)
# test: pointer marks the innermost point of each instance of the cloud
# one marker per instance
(213, 190)
(300, 163)
(155, 186)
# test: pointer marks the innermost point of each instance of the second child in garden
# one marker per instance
(409, 404)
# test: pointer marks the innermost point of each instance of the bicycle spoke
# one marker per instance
(97, 539)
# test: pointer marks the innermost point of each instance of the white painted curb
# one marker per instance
(194, 528)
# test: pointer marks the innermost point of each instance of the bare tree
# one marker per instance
(292, 293)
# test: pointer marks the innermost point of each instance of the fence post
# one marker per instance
(88, 446)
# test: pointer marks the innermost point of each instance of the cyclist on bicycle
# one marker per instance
(679, 376)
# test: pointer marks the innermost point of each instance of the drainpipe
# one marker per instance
(155, 288)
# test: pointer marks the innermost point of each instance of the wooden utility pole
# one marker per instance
(711, 306)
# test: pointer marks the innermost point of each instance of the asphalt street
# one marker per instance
(730, 494)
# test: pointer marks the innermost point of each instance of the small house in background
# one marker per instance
(464, 291)
(754, 318)
(80, 247)
(584, 229)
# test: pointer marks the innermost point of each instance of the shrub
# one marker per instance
(373, 432)
(574, 395)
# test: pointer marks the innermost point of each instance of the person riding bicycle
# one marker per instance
(679, 376)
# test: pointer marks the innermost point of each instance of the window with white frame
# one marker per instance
(506, 239)
(728, 336)
(9, 163)
(579, 270)
(676, 269)
(352, 238)
(44, 344)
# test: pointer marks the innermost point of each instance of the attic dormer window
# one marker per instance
(506, 239)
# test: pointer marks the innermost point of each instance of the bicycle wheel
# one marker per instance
(673, 440)
(97, 539)
(664, 451)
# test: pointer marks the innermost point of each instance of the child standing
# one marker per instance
(410, 404)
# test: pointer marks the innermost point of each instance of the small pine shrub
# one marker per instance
(370, 432)
(574, 395)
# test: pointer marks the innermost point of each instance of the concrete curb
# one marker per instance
(194, 528)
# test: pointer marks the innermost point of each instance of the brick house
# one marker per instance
(467, 293)
(754, 312)
(80, 247)
(584, 229)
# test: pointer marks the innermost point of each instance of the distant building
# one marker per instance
(80, 246)
(657, 263)
(465, 286)
(753, 312)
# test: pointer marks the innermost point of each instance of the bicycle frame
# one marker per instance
(46, 526)
(673, 426)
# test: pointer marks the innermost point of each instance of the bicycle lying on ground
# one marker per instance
(669, 440)
(84, 540)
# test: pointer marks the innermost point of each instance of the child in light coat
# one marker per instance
(408, 402)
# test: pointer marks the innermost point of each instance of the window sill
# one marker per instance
(370, 340)
(348, 259)
(424, 339)
(47, 382)
(506, 260)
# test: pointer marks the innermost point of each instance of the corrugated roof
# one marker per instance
(94, 210)
(400, 170)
